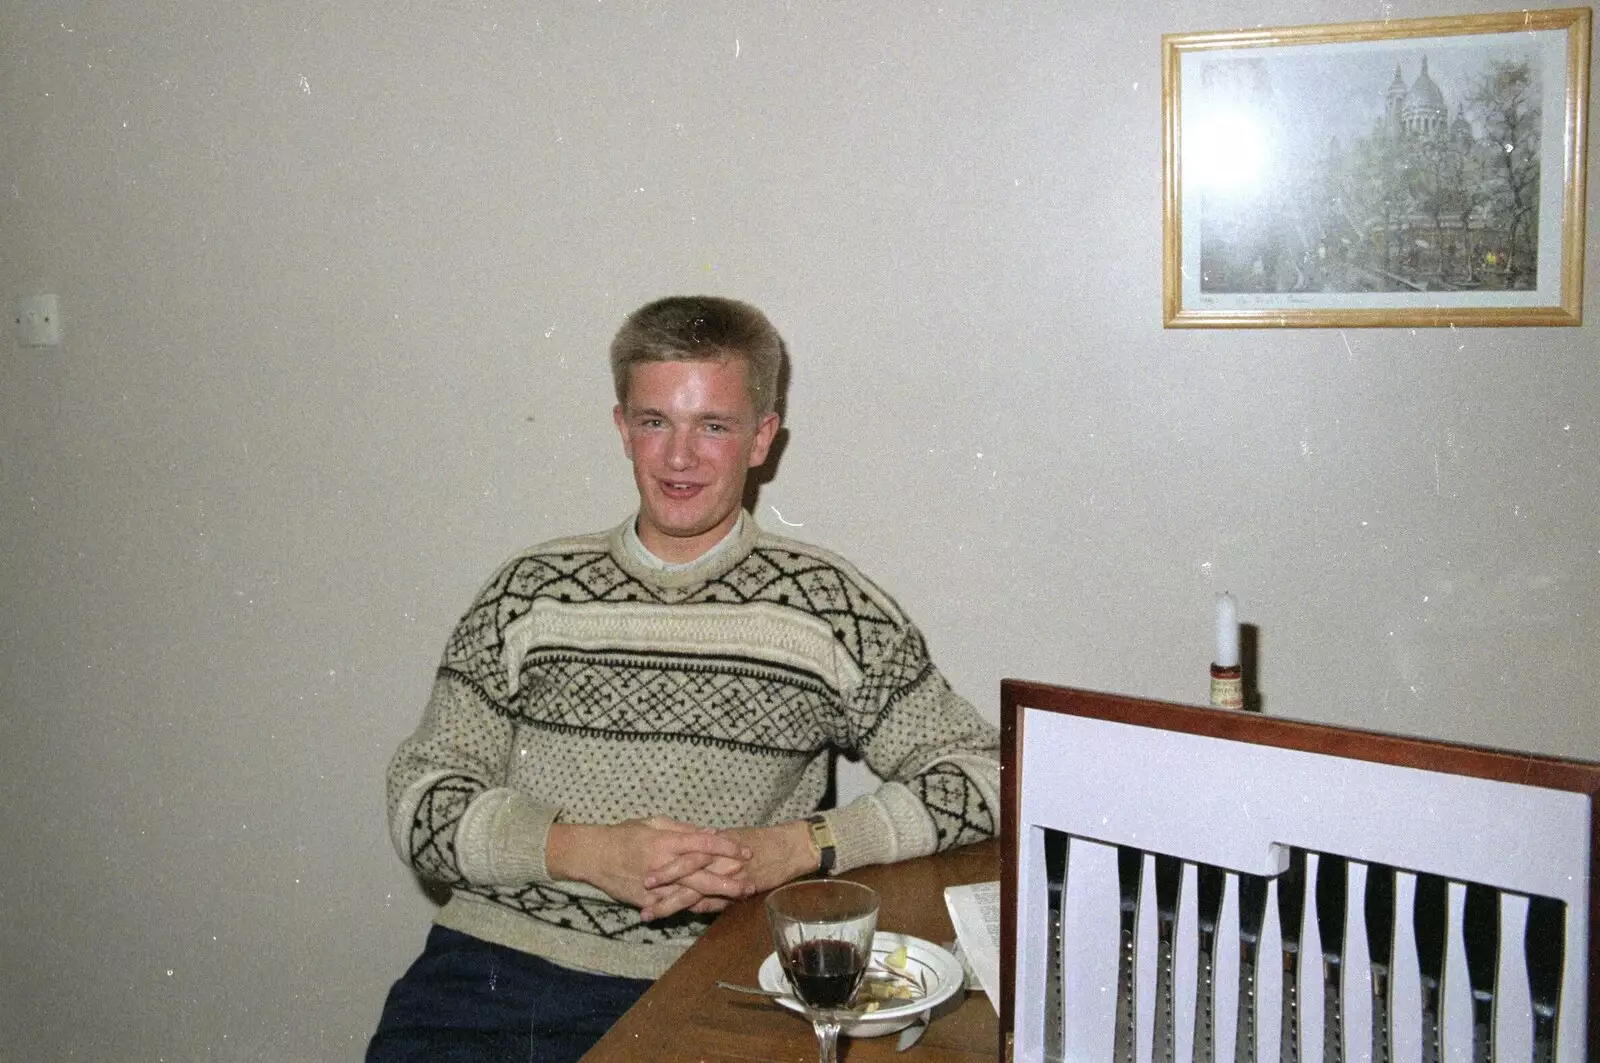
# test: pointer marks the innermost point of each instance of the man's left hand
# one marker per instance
(778, 854)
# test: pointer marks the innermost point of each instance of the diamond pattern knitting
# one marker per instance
(739, 704)
(603, 918)
(768, 574)
(433, 827)
(959, 813)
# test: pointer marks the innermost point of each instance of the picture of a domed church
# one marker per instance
(1439, 192)
(1418, 111)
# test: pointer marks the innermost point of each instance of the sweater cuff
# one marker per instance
(501, 839)
(882, 827)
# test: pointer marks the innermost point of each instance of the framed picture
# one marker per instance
(1404, 173)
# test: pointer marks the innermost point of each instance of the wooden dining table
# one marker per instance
(685, 1017)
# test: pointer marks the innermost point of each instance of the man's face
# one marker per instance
(693, 436)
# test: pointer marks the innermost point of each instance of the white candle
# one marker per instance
(1226, 654)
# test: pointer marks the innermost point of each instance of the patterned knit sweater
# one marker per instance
(584, 686)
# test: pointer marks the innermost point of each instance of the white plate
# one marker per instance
(941, 972)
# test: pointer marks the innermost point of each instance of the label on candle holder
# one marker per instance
(1227, 688)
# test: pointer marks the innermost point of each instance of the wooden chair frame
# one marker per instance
(1019, 697)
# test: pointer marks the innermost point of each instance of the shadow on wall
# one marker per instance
(1250, 665)
(768, 470)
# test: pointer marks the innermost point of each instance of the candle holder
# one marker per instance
(1227, 686)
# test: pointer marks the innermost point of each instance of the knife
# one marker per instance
(1169, 883)
(1252, 912)
(1331, 887)
(1055, 869)
(1130, 875)
(1480, 933)
(1543, 946)
(1210, 882)
(1379, 912)
(1429, 914)
(1291, 913)
(913, 1033)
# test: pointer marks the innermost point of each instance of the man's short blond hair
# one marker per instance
(693, 328)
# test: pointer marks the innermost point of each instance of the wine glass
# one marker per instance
(822, 930)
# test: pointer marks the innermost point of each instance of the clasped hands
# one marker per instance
(665, 866)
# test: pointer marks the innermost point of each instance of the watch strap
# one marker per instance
(822, 838)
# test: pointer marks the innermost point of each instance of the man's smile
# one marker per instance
(680, 490)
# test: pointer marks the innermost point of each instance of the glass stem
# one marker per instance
(827, 1039)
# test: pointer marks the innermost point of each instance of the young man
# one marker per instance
(632, 728)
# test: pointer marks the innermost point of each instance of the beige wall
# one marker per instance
(337, 279)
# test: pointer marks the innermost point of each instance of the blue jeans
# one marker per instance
(469, 1001)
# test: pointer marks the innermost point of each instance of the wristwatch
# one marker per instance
(822, 838)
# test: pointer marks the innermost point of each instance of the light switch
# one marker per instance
(38, 321)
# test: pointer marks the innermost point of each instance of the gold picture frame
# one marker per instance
(1326, 176)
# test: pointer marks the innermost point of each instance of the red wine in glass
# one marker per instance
(826, 972)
